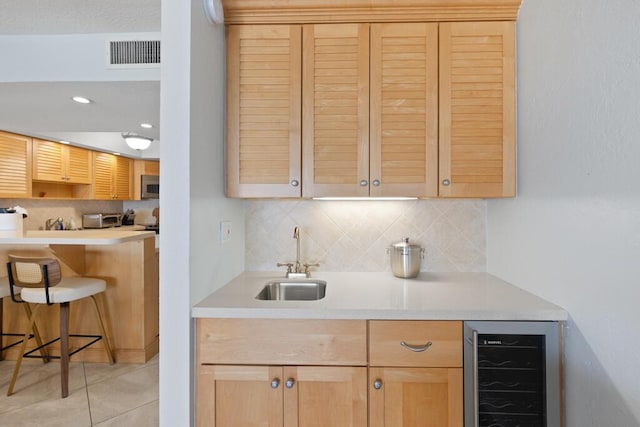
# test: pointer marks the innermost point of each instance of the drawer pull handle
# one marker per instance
(275, 383)
(290, 383)
(377, 384)
(416, 348)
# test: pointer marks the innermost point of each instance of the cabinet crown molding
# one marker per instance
(320, 11)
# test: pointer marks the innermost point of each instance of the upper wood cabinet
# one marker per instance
(15, 165)
(61, 163)
(477, 109)
(335, 110)
(263, 111)
(404, 109)
(112, 176)
(387, 109)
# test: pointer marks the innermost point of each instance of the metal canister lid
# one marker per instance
(404, 244)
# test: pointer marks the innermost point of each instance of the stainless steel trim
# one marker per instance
(474, 378)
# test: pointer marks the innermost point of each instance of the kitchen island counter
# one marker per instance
(106, 236)
(126, 259)
(380, 295)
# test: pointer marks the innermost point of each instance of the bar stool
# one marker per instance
(5, 291)
(42, 283)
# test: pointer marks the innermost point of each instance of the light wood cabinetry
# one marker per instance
(477, 109)
(263, 111)
(314, 373)
(56, 162)
(415, 373)
(388, 109)
(112, 177)
(143, 167)
(15, 165)
(297, 372)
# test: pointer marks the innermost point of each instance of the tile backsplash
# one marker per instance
(354, 235)
(40, 210)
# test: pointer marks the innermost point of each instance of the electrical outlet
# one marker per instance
(225, 231)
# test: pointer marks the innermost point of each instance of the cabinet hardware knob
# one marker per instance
(377, 384)
(275, 383)
(363, 183)
(416, 348)
(290, 383)
(376, 182)
(295, 183)
(446, 182)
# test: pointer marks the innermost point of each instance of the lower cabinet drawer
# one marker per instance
(423, 343)
(282, 342)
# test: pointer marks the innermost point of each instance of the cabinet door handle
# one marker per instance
(376, 182)
(416, 348)
(275, 383)
(377, 384)
(446, 182)
(295, 183)
(364, 183)
(290, 383)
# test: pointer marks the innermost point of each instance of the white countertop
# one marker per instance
(380, 295)
(104, 236)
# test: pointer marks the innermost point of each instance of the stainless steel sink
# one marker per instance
(293, 290)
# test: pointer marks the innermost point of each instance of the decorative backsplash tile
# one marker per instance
(40, 210)
(354, 235)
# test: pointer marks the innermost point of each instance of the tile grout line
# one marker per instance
(86, 389)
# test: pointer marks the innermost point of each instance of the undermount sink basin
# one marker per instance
(293, 290)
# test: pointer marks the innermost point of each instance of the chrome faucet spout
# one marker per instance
(296, 235)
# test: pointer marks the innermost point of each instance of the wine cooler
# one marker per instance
(512, 374)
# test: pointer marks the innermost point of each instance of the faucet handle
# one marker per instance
(289, 265)
(306, 266)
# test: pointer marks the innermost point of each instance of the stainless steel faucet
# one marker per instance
(296, 270)
(54, 224)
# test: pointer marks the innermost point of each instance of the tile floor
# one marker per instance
(100, 395)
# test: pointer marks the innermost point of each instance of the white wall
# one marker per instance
(572, 235)
(192, 262)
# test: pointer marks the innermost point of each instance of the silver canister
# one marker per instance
(405, 258)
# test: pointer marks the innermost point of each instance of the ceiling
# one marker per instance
(44, 109)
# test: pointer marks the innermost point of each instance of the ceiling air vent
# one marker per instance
(133, 53)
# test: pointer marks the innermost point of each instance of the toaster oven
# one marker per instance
(99, 220)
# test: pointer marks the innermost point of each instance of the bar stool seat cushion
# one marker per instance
(69, 289)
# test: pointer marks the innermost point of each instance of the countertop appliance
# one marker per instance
(149, 187)
(100, 220)
(405, 258)
(511, 374)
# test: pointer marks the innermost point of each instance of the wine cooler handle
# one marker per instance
(474, 378)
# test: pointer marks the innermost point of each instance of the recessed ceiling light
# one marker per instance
(146, 125)
(81, 100)
(64, 142)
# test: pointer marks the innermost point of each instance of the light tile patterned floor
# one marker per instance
(100, 395)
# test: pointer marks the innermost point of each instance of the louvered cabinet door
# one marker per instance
(335, 110)
(103, 175)
(15, 165)
(122, 178)
(263, 110)
(477, 109)
(48, 160)
(78, 165)
(404, 110)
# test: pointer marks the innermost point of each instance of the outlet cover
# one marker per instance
(225, 231)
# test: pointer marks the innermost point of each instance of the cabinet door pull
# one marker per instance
(377, 384)
(416, 348)
(275, 383)
(290, 383)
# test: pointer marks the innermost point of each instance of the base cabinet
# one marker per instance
(426, 397)
(289, 396)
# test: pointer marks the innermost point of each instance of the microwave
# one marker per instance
(149, 187)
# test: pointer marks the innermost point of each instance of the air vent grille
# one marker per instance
(134, 53)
